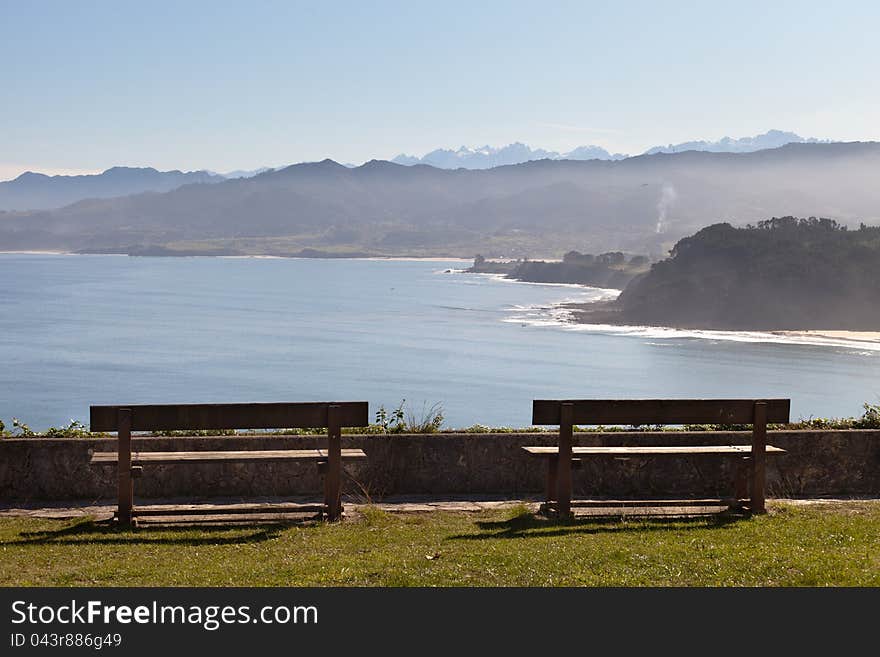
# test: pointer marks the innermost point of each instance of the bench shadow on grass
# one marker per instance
(531, 525)
(103, 532)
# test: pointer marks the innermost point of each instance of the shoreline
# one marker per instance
(407, 258)
(251, 255)
(603, 313)
(602, 317)
(39, 253)
(599, 315)
(505, 279)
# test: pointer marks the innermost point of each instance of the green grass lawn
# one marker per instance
(836, 545)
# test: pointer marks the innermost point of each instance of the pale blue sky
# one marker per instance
(227, 85)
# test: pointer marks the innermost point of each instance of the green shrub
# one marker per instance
(429, 420)
(75, 429)
(477, 428)
(20, 429)
(175, 433)
(870, 419)
(403, 420)
(391, 421)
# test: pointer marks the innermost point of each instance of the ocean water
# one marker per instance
(81, 330)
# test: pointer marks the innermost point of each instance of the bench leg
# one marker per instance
(759, 458)
(322, 473)
(563, 473)
(333, 478)
(741, 482)
(126, 485)
(552, 468)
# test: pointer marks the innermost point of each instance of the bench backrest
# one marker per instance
(298, 415)
(659, 411)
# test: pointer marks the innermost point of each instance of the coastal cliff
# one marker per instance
(782, 274)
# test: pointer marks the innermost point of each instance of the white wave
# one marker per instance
(555, 315)
(577, 286)
(663, 332)
(559, 316)
(493, 277)
(559, 311)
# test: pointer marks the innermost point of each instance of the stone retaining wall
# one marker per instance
(818, 463)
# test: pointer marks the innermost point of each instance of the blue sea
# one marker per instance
(81, 330)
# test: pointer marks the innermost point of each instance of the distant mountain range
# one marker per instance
(37, 191)
(535, 209)
(244, 173)
(487, 157)
(770, 139)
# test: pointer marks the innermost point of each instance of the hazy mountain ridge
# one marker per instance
(769, 139)
(37, 191)
(487, 157)
(536, 209)
(243, 173)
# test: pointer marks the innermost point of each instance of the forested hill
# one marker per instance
(609, 270)
(784, 273)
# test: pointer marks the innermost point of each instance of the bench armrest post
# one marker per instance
(759, 457)
(126, 489)
(333, 477)
(563, 471)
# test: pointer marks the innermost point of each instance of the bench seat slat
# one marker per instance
(218, 509)
(138, 458)
(667, 450)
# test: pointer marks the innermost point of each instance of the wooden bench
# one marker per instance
(568, 413)
(125, 419)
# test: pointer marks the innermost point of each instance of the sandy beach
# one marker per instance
(603, 315)
(856, 336)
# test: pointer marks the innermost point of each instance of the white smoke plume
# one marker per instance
(667, 199)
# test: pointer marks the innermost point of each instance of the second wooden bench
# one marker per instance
(570, 412)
